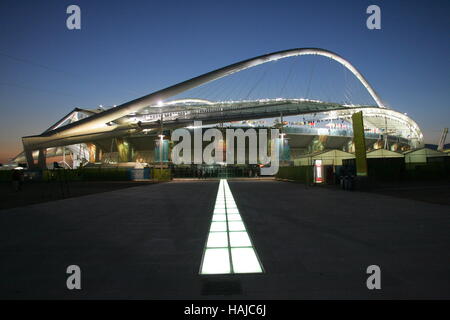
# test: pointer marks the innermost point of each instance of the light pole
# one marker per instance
(161, 141)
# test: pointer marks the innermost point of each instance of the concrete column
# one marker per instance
(42, 158)
(92, 151)
(123, 147)
(98, 153)
(29, 157)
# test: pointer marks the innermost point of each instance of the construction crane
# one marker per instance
(442, 140)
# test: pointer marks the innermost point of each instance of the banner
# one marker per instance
(360, 144)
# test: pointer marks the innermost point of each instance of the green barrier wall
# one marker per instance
(300, 174)
(162, 175)
(87, 174)
(5, 175)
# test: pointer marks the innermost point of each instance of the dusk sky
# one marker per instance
(126, 49)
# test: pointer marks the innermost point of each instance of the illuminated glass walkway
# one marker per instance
(229, 248)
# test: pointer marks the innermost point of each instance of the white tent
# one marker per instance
(383, 153)
(421, 155)
(328, 157)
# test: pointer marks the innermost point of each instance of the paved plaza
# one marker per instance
(146, 242)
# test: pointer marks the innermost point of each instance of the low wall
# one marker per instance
(302, 174)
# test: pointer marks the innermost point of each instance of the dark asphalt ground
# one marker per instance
(146, 242)
(33, 192)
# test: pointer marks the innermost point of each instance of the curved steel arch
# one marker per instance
(100, 120)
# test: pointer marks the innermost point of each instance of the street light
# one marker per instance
(281, 151)
(161, 141)
(159, 105)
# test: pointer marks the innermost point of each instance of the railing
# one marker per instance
(329, 132)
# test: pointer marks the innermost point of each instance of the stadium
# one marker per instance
(137, 133)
